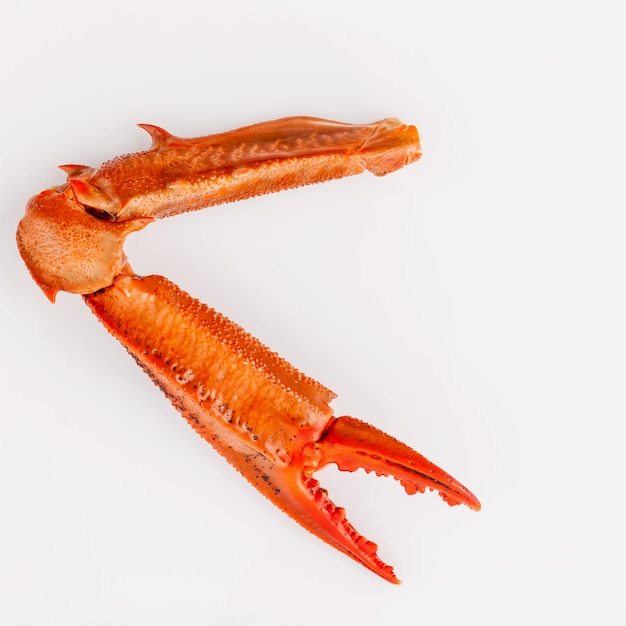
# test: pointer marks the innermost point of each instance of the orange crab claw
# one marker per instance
(271, 422)
(353, 444)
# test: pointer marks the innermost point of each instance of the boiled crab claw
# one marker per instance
(271, 422)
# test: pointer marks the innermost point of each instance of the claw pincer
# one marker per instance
(270, 421)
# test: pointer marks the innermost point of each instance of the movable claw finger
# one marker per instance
(352, 444)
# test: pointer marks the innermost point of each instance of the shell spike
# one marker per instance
(160, 137)
(73, 169)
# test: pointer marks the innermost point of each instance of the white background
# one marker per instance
(471, 305)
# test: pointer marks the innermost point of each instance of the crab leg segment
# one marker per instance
(225, 382)
(178, 175)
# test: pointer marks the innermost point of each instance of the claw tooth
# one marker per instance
(339, 514)
(368, 547)
(320, 495)
(312, 483)
(412, 488)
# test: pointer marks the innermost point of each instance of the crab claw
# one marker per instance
(270, 421)
(352, 444)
